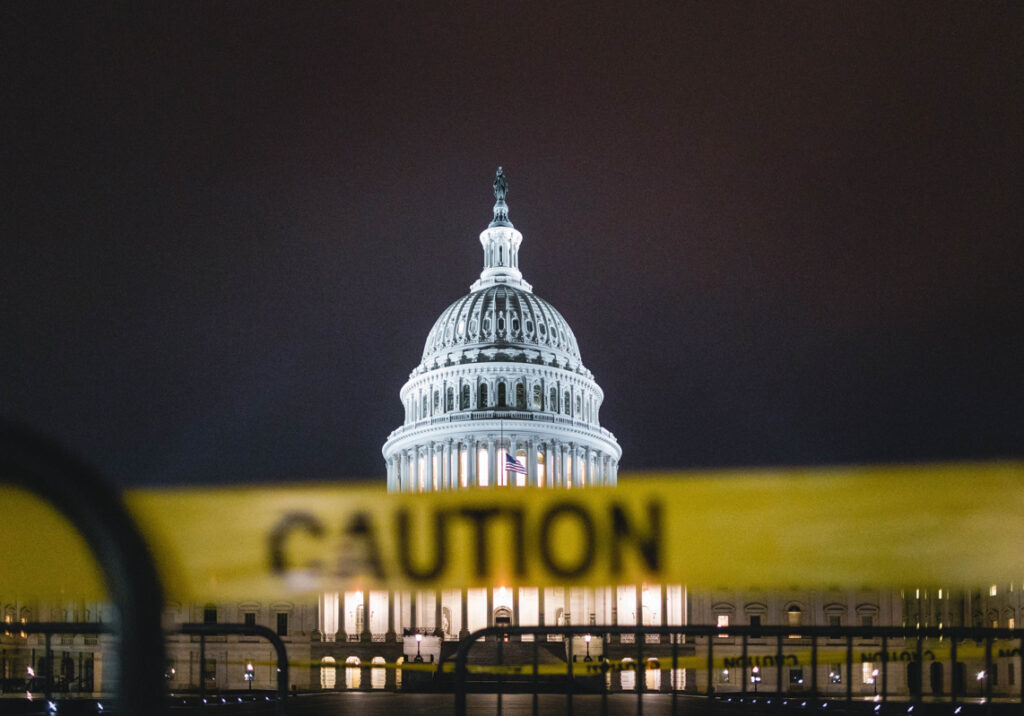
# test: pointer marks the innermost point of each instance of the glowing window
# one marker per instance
(992, 591)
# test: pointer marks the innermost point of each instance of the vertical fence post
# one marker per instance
(202, 666)
(536, 658)
(814, 669)
(48, 660)
(778, 671)
(952, 668)
(885, 664)
(569, 682)
(987, 681)
(744, 667)
(711, 664)
(672, 679)
(501, 663)
(849, 669)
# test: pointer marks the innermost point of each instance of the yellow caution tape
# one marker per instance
(580, 667)
(943, 525)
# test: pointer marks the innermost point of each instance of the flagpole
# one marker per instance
(501, 447)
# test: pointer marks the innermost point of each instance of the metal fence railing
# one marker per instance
(774, 646)
(98, 513)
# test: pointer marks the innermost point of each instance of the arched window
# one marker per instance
(538, 395)
(328, 672)
(579, 407)
(482, 396)
(794, 616)
(378, 674)
(426, 407)
(553, 400)
(520, 396)
(627, 678)
(437, 402)
(566, 404)
(353, 677)
(501, 394)
(449, 400)
(464, 398)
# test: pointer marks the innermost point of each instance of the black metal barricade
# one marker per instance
(878, 640)
(205, 630)
(96, 510)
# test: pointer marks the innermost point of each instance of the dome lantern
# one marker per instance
(501, 241)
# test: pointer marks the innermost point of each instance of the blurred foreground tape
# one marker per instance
(43, 554)
(942, 525)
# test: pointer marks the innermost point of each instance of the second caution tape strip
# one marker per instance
(952, 525)
(596, 665)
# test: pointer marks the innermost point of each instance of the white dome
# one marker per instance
(500, 379)
(505, 318)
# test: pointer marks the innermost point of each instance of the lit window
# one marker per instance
(1011, 623)
(835, 673)
(940, 594)
(992, 591)
(868, 672)
(723, 621)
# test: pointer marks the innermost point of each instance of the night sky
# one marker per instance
(784, 234)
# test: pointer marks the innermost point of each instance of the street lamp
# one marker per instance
(250, 672)
(419, 656)
(755, 676)
(981, 682)
(587, 640)
(874, 680)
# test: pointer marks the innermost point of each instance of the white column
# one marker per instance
(553, 467)
(531, 463)
(420, 484)
(510, 477)
(492, 461)
(471, 478)
(450, 466)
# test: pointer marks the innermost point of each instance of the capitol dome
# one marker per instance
(507, 320)
(500, 396)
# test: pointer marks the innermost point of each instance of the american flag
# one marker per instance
(513, 465)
